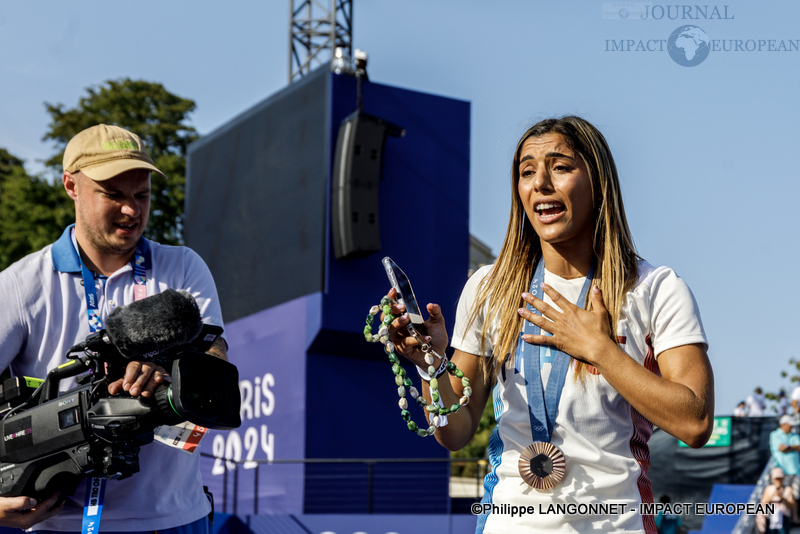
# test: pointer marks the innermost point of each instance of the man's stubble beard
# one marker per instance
(99, 242)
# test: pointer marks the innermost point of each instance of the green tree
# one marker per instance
(33, 211)
(793, 374)
(794, 368)
(8, 163)
(154, 114)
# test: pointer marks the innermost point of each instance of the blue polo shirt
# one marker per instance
(788, 461)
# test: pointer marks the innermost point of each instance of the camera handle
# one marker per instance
(71, 368)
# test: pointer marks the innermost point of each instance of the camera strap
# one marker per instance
(96, 487)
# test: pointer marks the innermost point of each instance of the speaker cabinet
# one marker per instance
(357, 168)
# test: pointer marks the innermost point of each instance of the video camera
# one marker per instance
(51, 442)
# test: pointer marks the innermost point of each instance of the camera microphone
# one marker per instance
(146, 327)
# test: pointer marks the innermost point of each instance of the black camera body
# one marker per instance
(51, 442)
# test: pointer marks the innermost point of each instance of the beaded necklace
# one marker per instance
(436, 410)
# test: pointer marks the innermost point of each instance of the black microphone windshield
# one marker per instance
(154, 324)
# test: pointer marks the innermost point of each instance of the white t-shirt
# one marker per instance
(603, 438)
(755, 404)
(795, 396)
(44, 314)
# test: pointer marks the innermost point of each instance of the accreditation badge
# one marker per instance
(185, 436)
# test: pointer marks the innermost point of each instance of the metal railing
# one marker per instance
(370, 463)
(747, 523)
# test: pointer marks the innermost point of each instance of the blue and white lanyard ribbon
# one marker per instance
(96, 487)
(139, 289)
(93, 509)
(543, 401)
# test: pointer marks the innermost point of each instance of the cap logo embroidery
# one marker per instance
(120, 145)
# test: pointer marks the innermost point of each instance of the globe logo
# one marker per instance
(623, 13)
(688, 46)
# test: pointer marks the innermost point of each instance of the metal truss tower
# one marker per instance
(316, 31)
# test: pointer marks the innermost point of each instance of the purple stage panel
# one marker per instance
(312, 388)
(268, 348)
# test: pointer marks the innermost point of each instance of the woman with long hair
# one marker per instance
(583, 346)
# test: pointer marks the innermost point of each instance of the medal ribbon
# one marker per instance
(543, 402)
(96, 487)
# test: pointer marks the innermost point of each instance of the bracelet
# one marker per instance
(439, 372)
(403, 382)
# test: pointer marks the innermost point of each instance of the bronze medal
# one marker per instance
(542, 465)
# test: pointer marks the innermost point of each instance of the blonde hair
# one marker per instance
(615, 257)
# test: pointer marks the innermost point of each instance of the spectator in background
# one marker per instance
(784, 444)
(783, 403)
(668, 523)
(756, 403)
(782, 497)
(740, 410)
(795, 399)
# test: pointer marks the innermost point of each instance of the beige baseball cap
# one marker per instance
(103, 151)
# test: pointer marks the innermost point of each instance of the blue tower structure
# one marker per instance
(259, 211)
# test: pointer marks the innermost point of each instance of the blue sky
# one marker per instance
(706, 154)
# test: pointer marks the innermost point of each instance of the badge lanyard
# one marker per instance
(96, 487)
(543, 402)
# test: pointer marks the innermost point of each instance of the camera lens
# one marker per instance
(205, 391)
(204, 404)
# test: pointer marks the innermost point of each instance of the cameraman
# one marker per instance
(47, 308)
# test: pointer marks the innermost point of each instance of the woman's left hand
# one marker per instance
(581, 334)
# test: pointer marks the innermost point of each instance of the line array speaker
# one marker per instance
(357, 168)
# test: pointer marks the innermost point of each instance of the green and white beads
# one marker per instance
(404, 383)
